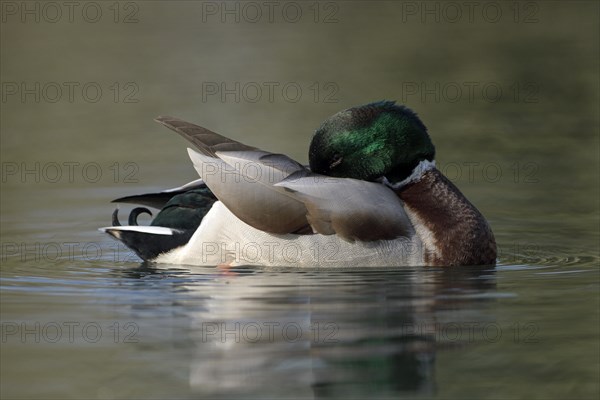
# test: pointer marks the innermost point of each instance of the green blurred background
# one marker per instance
(509, 91)
(511, 87)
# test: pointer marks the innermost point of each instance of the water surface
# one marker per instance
(82, 317)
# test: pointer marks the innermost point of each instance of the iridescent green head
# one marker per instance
(369, 142)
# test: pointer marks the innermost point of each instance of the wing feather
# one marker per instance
(207, 141)
(247, 190)
(275, 194)
(159, 199)
(352, 209)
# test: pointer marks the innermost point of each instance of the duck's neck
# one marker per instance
(451, 229)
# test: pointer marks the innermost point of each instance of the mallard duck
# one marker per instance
(371, 196)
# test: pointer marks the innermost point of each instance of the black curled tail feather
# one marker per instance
(136, 212)
(182, 214)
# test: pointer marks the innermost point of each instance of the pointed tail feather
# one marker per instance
(207, 141)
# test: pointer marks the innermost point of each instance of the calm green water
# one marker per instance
(511, 101)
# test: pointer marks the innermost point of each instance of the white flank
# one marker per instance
(424, 233)
(222, 238)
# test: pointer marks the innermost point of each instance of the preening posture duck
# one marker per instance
(370, 197)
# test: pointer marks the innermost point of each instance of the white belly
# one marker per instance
(222, 238)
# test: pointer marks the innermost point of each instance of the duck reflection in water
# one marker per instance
(316, 333)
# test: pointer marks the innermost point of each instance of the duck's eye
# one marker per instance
(337, 160)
